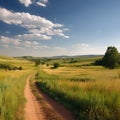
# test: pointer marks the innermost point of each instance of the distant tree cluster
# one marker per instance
(9, 67)
(73, 60)
(38, 62)
(111, 59)
(56, 65)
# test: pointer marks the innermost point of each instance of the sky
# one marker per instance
(58, 27)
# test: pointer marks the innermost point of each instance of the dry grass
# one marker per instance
(12, 89)
(91, 92)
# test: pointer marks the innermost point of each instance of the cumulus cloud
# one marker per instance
(30, 43)
(33, 37)
(26, 2)
(42, 3)
(7, 41)
(38, 27)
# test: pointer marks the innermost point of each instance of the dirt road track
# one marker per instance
(32, 107)
(34, 110)
(60, 110)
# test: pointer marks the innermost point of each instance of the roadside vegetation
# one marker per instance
(12, 85)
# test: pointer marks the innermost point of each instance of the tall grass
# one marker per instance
(12, 85)
(12, 97)
(92, 100)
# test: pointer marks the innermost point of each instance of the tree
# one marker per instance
(111, 58)
(56, 65)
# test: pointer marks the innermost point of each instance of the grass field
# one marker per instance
(12, 88)
(91, 92)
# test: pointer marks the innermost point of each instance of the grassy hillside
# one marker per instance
(91, 92)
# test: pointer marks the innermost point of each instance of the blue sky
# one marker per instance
(58, 27)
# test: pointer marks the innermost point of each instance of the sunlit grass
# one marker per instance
(96, 98)
(12, 83)
(17, 62)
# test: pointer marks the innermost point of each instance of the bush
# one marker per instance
(56, 65)
(9, 67)
(98, 62)
(20, 68)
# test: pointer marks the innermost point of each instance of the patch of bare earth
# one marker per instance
(42, 107)
(33, 110)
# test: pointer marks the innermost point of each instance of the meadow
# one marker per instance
(12, 83)
(91, 92)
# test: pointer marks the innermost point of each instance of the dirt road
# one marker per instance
(32, 107)
(46, 109)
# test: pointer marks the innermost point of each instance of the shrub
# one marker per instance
(98, 62)
(56, 65)
(9, 67)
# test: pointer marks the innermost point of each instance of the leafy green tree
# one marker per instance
(111, 58)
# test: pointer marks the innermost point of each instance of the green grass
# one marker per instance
(73, 62)
(91, 92)
(95, 99)
(12, 85)
(11, 92)
(17, 62)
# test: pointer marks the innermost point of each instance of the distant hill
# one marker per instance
(76, 56)
(32, 58)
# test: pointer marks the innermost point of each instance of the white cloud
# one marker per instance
(26, 2)
(30, 43)
(35, 43)
(38, 27)
(7, 41)
(42, 3)
(33, 37)
(49, 32)
(4, 45)
(65, 29)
